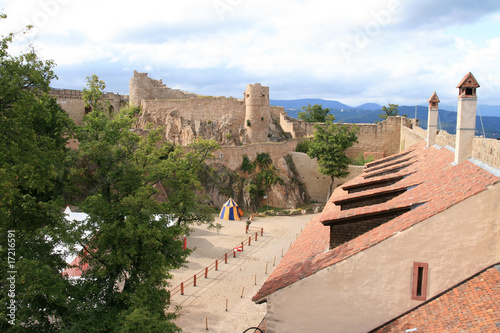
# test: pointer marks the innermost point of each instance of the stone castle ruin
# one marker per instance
(186, 116)
(244, 128)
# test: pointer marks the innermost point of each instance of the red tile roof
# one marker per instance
(434, 184)
(472, 306)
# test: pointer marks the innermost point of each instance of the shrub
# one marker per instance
(303, 146)
(249, 123)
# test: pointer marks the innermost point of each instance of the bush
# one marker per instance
(361, 160)
(246, 165)
(249, 123)
(303, 146)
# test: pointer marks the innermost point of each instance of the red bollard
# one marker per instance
(262, 231)
(256, 235)
(217, 264)
(234, 254)
(225, 257)
(241, 246)
(206, 272)
(194, 280)
(249, 240)
(182, 288)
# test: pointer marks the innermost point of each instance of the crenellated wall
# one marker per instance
(71, 101)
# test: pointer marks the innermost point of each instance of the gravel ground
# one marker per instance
(235, 282)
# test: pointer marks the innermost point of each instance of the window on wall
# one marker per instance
(419, 281)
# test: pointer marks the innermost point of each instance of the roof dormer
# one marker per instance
(467, 87)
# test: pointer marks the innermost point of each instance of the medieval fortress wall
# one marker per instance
(243, 127)
(71, 101)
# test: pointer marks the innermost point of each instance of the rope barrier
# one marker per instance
(215, 265)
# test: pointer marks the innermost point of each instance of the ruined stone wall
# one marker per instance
(142, 87)
(232, 156)
(484, 150)
(184, 120)
(297, 128)
(71, 101)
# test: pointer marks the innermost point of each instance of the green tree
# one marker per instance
(262, 175)
(329, 146)
(141, 195)
(389, 111)
(33, 136)
(314, 113)
(93, 93)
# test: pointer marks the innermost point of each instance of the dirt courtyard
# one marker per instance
(236, 282)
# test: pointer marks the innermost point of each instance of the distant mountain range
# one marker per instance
(368, 113)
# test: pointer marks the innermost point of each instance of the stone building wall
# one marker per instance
(71, 101)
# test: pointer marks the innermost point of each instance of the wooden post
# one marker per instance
(243, 290)
(249, 240)
(194, 280)
(256, 235)
(262, 231)
(182, 288)
(217, 264)
(206, 272)
(225, 257)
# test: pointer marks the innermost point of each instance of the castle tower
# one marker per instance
(432, 121)
(466, 117)
(139, 88)
(257, 112)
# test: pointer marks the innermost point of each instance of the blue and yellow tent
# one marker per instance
(230, 211)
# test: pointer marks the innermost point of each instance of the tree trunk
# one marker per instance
(330, 189)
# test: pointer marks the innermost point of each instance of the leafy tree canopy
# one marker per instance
(329, 145)
(314, 113)
(141, 195)
(33, 135)
(389, 111)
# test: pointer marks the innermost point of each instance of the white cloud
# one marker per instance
(359, 51)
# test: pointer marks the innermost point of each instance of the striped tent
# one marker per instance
(230, 211)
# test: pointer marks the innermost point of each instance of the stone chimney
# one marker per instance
(466, 117)
(432, 121)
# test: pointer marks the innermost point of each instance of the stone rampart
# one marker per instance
(232, 156)
(142, 87)
(317, 184)
(71, 101)
(382, 137)
(204, 109)
(409, 136)
(484, 150)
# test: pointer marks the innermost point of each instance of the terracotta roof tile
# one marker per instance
(437, 185)
(472, 306)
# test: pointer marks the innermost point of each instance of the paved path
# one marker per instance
(207, 301)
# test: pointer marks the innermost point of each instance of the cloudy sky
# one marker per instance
(358, 51)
